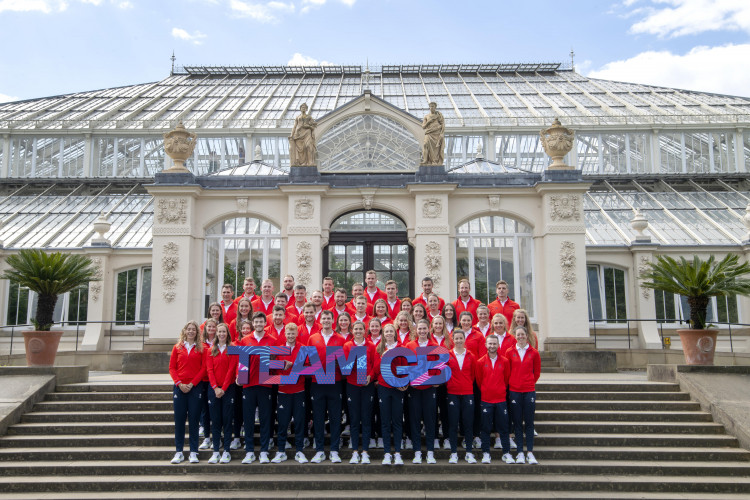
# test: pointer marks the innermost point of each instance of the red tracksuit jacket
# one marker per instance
(461, 382)
(184, 367)
(222, 369)
(523, 373)
(492, 381)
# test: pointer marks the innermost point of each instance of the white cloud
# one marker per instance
(195, 38)
(721, 70)
(281, 6)
(125, 5)
(673, 18)
(7, 98)
(308, 5)
(263, 13)
(300, 60)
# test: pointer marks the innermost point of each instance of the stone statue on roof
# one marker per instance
(434, 137)
(302, 150)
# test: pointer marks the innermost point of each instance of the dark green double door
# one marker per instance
(349, 255)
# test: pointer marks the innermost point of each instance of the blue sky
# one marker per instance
(53, 47)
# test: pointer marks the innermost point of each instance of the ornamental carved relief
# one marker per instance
(494, 202)
(564, 207)
(170, 261)
(242, 204)
(95, 285)
(172, 211)
(433, 261)
(643, 267)
(568, 277)
(304, 262)
(432, 208)
(304, 209)
(367, 201)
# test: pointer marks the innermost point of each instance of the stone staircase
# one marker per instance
(596, 440)
(550, 364)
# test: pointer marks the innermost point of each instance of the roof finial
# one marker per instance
(572, 59)
(173, 59)
(367, 75)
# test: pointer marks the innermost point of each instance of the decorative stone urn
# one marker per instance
(179, 145)
(41, 347)
(101, 226)
(639, 224)
(557, 142)
(698, 346)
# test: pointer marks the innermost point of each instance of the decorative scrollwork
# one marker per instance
(567, 270)
(433, 261)
(172, 211)
(170, 261)
(304, 262)
(564, 207)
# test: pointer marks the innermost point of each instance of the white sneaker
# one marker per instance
(373, 443)
(512, 444)
(300, 458)
(178, 458)
(531, 459)
(486, 459)
(453, 459)
(431, 457)
(470, 458)
(201, 432)
(380, 444)
(365, 458)
(436, 444)
(397, 459)
(508, 458)
(417, 457)
(226, 458)
(477, 442)
(235, 444)
(263, 457)
(193, 458)
(335, 458)
(446, 444)
(498, 443)
(520, 458)
(279, 457)
(354, 459)
(319, 457)
(206, 444)
(214, 458)
(249, 458)
(387, 459)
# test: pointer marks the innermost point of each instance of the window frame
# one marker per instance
(603, 296)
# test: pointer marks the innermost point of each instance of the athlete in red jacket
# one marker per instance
(492, 374)
(372, 292)
(391, 299)
(222, 370)
(360, 397)
(503, 304)
(525, 367)
(187, 369)
(465, 302)
(422, 402)
(291, 402)
(461, 396)
(391, 400)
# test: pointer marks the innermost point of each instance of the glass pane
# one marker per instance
(595, 299)
(400, 259)
(368, 221)
(145, 294)
(355, 258)
(382, 257)
(336, 257)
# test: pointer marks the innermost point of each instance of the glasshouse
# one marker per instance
(561, 185)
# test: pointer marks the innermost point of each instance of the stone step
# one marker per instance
(117, 439)
(541, 416)
(545, 395)
(488, 478)
(126, 428)
(541, 386)
(380, 494)
(546, 466)
(572, 405)
(571, 454)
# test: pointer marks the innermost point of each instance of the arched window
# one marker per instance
(493, 248)
(239, 248)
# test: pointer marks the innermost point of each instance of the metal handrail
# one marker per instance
(661, 322)
(61, 325)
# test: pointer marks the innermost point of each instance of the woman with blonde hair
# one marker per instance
(222, 369)
(405, 331)
(186, 367)
(521, 318)
(391, 400)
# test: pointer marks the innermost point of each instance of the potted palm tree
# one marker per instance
(698, 280)
(48, 275)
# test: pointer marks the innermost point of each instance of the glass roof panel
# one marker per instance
(601, 230)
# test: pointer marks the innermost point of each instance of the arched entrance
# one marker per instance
(364, 240)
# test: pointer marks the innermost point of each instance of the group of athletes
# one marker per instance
(493, 360)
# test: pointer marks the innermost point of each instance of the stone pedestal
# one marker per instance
(98, 305)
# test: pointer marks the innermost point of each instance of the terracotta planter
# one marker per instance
(41, 347)
(699, 346)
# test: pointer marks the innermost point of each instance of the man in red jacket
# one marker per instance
(265, 302)
(326, 396)
(372, 292)
(228, 305)
(503, 304)
(300, 299)
(357, 290)
(465, 302)
(328, 298)
(392, 300)
(492, 375)
(288, 285)
(427, 285)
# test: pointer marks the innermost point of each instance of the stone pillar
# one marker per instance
(177, 271)
(5, 158)
(100, 303)
(432, 241)
(88, 161)
(560, 266)
(305, 235)
(648, 332)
